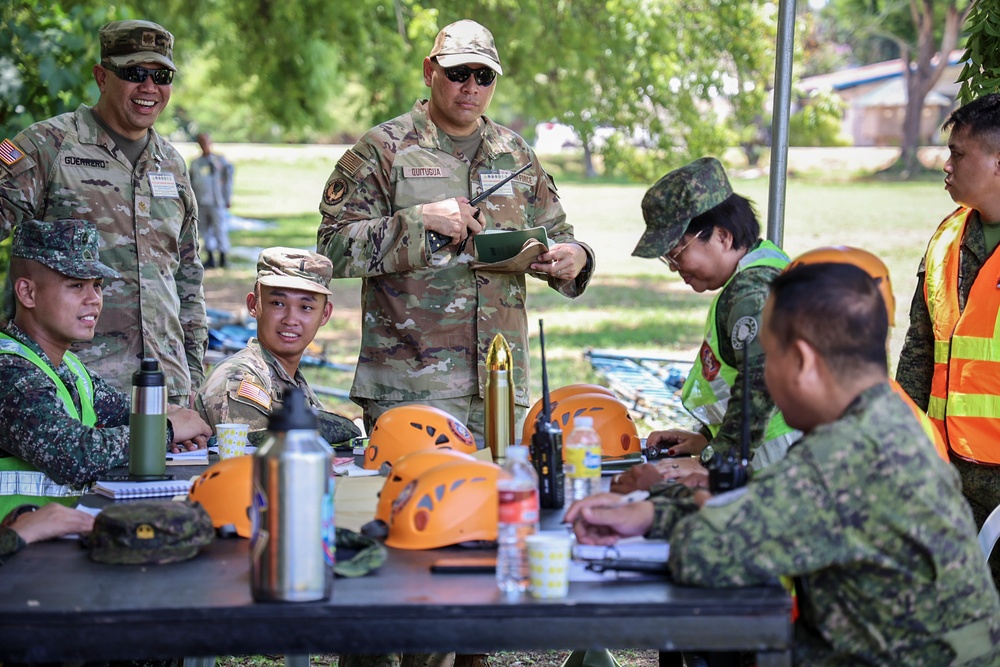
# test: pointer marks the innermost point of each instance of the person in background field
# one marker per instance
(428, 318)
(107, 164)
(212, 180)
(861, 512)
(290, 301)
(61, 425)
(29, 523)
(948, 364)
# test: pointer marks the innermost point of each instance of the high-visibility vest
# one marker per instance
(964, 401)
(925, 422)
(20, 482)
(707, 390)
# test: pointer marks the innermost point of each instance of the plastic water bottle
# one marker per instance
(583, 460)
(518, 517)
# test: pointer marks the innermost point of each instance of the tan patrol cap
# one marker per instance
(126, 43)
(466, 42)
(294, 269)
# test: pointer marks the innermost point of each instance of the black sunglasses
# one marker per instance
(461, 74)
(138, 74)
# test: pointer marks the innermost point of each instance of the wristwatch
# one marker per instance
(707, 455)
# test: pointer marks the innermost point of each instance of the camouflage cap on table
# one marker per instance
(150, 532)
(67, 246)
(465, 43)
(675, 199)
(367, 554)
(125, 43)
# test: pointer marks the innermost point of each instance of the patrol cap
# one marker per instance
(125, 43)
(294, 269)
(675, 199)
(149, 532)
(466, 42)
(67, 246)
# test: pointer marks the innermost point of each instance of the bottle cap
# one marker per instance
(294, 414)
(583, 422)
(517, 452)
(149, 374)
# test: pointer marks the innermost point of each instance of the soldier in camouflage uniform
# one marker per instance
(62, 426)
(29, 523)
(862, 512)
(212, 180)
(699, 228)
(428, 317)
(290, 302)
(108, 165)
(970, 235)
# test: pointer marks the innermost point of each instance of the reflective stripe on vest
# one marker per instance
(933, 434)
(964, 402)
(84, 385)
(707, 400)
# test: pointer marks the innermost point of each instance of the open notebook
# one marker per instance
(166, 488)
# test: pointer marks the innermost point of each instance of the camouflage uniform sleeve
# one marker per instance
(336, 429)
(35, 427)
(22, 186)
(218, 401)
(111, 406)
(741, 305)
(188, 279)
(360, 232)
(916, 360)
(10, 543)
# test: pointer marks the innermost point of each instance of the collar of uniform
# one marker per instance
(91, 133)
(275, 365)
(429, 135)
(974, 238)
(14, 331)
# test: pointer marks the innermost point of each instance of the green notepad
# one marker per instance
(500, 245)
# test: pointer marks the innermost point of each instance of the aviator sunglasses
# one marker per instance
(461, 74)
(138, 74)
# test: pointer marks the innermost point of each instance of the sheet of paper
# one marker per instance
(355, 500)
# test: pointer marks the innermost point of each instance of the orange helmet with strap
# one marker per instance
(224, 490)
(411, 428)
(406, 469)
(864, 260)
(448, 504)
(555, 396)
(612, 422)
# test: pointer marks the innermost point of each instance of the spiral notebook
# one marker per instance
(166, 488)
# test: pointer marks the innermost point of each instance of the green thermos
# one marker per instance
(147, 441)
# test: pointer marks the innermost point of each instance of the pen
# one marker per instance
(633, 497)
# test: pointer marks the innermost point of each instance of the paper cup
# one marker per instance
(548, 560)
(231, 439)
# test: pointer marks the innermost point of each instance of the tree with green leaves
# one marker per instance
(981, 73)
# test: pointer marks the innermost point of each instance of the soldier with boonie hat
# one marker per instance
(61, 425)
(290, 301)
(709, 235)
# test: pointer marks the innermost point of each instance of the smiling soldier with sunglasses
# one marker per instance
(107, 164)
(406, 185)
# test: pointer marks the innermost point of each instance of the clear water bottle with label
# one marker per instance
(518, 517)
(583, 460)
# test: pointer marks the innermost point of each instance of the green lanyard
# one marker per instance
(84, 385)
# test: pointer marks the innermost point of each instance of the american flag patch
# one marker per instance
(255, 393)
(9, 153)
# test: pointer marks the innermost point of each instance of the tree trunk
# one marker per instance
(588, 161)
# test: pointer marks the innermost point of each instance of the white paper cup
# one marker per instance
(548, 560)
(231, 439)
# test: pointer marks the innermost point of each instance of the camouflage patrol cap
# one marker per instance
(125, 43)
(466, 42)
(294, 269)
(149, 532)
(675, 199)
(357, 554)
(67, 246)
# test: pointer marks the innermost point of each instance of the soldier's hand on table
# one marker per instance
(51, 521)
(452, 217)
(676, 469)
(695, 480)
(188, 426)
(677, 441)
(563, 261)
(602, 519)
(636, 478)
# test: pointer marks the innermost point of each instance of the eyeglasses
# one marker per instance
(461, 74)
(138, 74)
(673, 259)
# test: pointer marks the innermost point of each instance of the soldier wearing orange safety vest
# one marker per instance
(950, 363)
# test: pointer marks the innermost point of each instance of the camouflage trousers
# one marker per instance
(414, 660)
(981, 487)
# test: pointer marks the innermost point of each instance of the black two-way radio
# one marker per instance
(546, 446)
(729, 472)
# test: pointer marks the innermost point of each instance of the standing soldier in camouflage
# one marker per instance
(290, 301)
(949, 362)
(212, 180)
(108, 165)
(61, 425)
(428, 318)
(862, 512)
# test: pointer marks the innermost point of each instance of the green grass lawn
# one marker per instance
(632, 303)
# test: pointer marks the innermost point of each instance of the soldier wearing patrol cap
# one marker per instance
(108, 165)
(290, 302)
(62, 425)
(429, 317)
(699, 228)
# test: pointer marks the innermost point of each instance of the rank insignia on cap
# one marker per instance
(9, 153)
(255, 393)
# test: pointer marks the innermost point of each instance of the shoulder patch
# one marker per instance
(9, 152)
(350, 162)
(335, 191)
(254, 392)
(744, 331)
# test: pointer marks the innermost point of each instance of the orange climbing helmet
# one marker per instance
(864, 260)
(224, 490)
(412, 428)
(448, 504)
(406, 469)
(555, 396)
(612, 422)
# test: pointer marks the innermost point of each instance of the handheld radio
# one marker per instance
(546, 446)
(731, 473)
